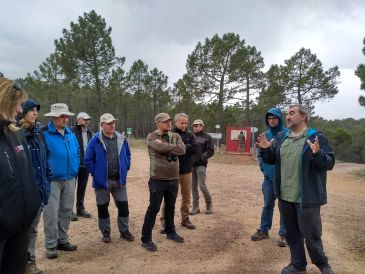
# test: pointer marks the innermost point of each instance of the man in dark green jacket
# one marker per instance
(302, 157)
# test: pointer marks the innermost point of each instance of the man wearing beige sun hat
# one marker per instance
(63, 159)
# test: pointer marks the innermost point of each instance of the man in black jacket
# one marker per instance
(302, 157)
(185, 168)
(83, 135)
(200, 163)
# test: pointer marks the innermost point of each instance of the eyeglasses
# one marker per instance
(272, 118)
(17, 86)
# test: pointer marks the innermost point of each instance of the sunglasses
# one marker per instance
(16, 85)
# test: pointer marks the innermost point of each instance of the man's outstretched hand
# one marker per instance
(263, 142)
(315, 145)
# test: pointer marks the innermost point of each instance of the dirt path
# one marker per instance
(221, 243)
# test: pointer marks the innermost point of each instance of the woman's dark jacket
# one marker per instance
(20, 197)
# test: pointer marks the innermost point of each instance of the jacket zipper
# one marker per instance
(8, 159)
(301, 173)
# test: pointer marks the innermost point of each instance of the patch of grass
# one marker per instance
(359, 173)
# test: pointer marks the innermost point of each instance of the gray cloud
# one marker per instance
(164, 32)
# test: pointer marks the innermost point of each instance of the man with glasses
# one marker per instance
(108, 159)
(164, 147)
(83, 135)
(63, 159)
(200, 163)
(274, 122)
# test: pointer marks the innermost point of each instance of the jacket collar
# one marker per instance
(177, 130)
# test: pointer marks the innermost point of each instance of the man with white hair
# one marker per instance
(63, 159)
(108, 159)
(83, 135)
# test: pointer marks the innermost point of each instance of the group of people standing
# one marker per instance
(41, 166)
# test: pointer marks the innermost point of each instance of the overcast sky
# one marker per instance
(163, 32)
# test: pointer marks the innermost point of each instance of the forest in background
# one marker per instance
(224, 84)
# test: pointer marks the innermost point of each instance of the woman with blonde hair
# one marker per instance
(19, 195)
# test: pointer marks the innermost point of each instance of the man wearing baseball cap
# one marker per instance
(108, 159)
(64, 160)
(164, 147)
(200, 163)
(83, 135)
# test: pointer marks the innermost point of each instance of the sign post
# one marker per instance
(129, 132)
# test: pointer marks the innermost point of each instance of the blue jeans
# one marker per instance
(268, 209)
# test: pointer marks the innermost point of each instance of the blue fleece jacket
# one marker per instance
(63, 153)
(267, 169)
(96, 160)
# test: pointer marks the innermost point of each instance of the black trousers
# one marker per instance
(159, 190)
(82, 178)
(303, 224)
(14, 253)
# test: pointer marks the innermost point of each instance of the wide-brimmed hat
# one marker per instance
(107, 118)
(59, 109)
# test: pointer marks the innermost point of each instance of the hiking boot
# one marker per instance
(209, 209)
(186, 223)
(327, 270)
(175, 237)
(149, 246)
(126, 235)
(291, 269)
(195, 209)
(51, 253)
(260, 235)
(31, 268)
(66, 246)
(84, 214)
(73, 217)
(106, 236)
(280, 241)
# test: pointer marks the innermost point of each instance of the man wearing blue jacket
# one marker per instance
(274, 121)
(63, 159)
(302, 157)
(108, 159)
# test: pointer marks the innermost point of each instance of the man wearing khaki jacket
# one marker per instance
(163, 148)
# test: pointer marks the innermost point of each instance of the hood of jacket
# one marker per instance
(277, 113)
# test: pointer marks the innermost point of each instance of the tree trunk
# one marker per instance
(248, 102)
